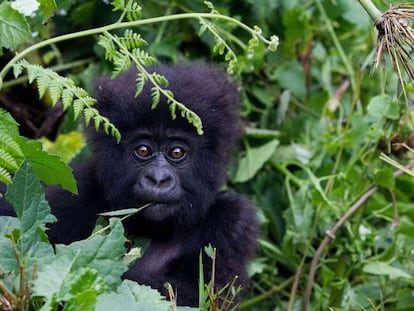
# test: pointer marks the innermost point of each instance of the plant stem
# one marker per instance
(370, 8)
(338, 46)
(119, 25)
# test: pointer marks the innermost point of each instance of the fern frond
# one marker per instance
(72, 96)
(132, 40)
(210, 5)
(122, 63)
(141, 79)
(160, 79)
(11, 154)
(55, 91)
(17, 70)
(8, 143)
(5, 176)
(155, 96)
(133, 11)
(8, 161)
(119, 5)
(67, 98)
(88, 114)
(43, 82)
(78, 107)
(220, 45)
(144, 58)
(108, 45)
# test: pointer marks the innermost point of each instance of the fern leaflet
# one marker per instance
(64, 88)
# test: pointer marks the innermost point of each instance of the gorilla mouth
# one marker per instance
(161, 210)
(162, 205)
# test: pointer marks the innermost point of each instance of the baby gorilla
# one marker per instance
(164, 162)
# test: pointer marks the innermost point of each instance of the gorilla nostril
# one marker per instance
(159, 180)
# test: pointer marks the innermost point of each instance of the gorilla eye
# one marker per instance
(143, 151)
(176, 153)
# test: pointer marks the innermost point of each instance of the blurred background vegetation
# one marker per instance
(317, 118)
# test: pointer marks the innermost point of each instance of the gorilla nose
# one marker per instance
(159, 179)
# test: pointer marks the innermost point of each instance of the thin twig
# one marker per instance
(330, 235)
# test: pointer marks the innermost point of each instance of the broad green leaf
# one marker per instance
(14, 29)
(132, 296)
(48, 168)
(7, 224)
(8, 262)
(254, 159)
(383, 268)
(101, 252)
(81, 289)
(385, 178)
(28, 199)
(51, 276)
(290, 75)
(378, 105)
(25, 7)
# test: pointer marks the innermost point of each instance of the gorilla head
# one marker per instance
(160, 160)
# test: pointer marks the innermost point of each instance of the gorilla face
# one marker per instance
(161, 160)
(160, 165)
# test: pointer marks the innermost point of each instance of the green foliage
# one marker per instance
(84, 275)
(254, 160)
(72, 96)
(66, 146)
(124, 51)
(318, 122)
(14, 149)
(14, 29)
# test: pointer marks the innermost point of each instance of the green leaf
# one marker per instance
(28, 199)
(14, 29)
(290, 75)
(51, 276)
(121, 212)
(48, 168)
(378, 106)
(7, 123)
(352, 13)
(81, 289)
(383, 268)
(132, 296)
(385, 178)
(5, 176)
(254, 159)
(101, 252)
(47, 8)
(8, 259)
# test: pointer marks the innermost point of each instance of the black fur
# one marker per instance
(194, 213)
